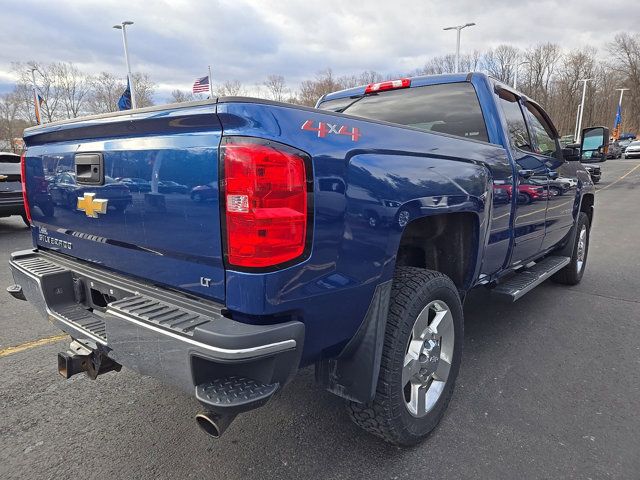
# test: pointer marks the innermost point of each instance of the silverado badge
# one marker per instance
(92, 206)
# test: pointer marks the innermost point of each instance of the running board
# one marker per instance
(527, 279)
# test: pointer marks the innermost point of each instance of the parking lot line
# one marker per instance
(621, 178)
(32, 344)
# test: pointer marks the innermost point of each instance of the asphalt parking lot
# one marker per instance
(549, 388)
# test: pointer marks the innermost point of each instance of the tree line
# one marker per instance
(544, 72)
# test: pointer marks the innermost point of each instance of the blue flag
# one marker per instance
(125, 100)
(618, 120)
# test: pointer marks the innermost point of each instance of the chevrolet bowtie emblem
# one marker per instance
(3, 178)
(92, 206)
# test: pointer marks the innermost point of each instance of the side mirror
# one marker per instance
(571, 153)
(594, 140)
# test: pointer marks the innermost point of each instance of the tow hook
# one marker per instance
(16, 292)
(80, 358)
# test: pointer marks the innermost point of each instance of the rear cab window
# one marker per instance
(451, 108)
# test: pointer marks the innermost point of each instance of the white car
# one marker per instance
(633, 150)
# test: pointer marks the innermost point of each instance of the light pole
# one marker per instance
(123, 27)
(458, 28)
(619, 126)
(584, 93)
(575, 131)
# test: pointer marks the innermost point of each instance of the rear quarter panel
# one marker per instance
(360, 188)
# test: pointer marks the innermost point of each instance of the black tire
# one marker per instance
(572, 273)
(524, 198)
(388, 416)
(555, 191)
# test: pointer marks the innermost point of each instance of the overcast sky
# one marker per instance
(247, 40)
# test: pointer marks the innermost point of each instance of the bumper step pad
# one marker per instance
(154, 311)
(234, 394)
(84, 319)
(525, 280)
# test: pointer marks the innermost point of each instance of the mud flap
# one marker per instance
(354, 373)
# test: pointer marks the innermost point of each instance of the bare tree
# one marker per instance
(311, 90)
(438, 65)
(47, 87)
(500, 62)
(277, 88)
(25, 99)
(144, 88)
(364, 78)
(566, 89)
(106, 90)
(180, 96)
(72, 87)
(11, 125)
(230, 88)
(625, 54)
(541, 62)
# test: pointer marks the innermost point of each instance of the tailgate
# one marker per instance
(136, 193)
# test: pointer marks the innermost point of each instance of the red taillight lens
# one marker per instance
(23, 179)
(265, 198)
(389, 85)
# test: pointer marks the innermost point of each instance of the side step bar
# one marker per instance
(527, 279)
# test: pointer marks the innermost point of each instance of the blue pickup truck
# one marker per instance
(344, 236)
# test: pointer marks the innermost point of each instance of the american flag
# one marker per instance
(201, 85)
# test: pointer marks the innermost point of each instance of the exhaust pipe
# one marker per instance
(213, 424)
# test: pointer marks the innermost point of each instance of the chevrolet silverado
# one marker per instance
(344, 237)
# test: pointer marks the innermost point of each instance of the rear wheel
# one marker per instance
(420, 359)
(524, 198)
(555, 191)
(572, 273)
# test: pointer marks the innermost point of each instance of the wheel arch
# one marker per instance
(587, 205)
(447, 243)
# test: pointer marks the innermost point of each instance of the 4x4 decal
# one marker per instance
(325, 129)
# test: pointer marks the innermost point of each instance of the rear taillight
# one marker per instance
(265, 201)
(389, 85)
(23, 180)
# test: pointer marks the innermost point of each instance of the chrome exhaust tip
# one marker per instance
(213, 424)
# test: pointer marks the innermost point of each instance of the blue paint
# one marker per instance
(360, 189)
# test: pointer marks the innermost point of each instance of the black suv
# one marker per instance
(11, 202)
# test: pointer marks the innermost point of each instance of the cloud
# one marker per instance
(174, 41)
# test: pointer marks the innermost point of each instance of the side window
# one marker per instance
(543, 133)
(516, 126)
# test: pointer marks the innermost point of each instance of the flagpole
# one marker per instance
(210, 84)
(618, 127)
(35, 96)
